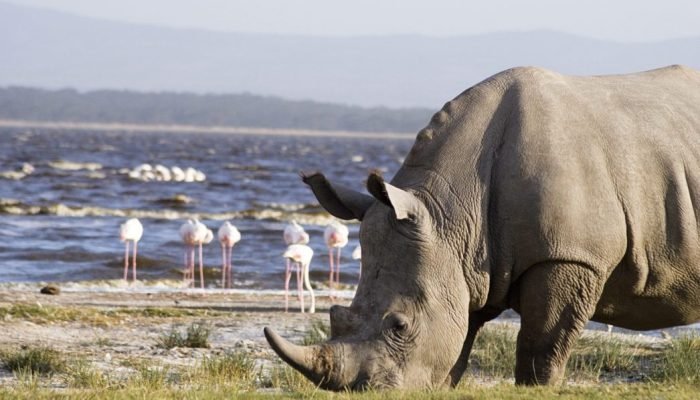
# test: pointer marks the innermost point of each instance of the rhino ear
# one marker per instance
(338, 200)
(404, 204)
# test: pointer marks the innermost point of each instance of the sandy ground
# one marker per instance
(237, 319)
(237, 325)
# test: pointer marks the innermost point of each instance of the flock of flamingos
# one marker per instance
(298, 255)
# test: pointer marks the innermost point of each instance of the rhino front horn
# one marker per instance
(315, 362)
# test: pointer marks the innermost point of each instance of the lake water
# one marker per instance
(61, 221)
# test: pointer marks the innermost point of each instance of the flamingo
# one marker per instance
(302, 254)
(228, 236)
(336, 237)
(293, 234)
(130, 231)
(193, 233)
(206, 239)
(187, 234)
(357, 255)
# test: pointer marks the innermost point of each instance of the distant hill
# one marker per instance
(244, 110)
(50, 49)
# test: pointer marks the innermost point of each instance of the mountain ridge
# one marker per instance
(52, 49)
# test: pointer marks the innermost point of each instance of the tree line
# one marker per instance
(245, 110)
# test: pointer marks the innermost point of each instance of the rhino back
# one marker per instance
(603, 171)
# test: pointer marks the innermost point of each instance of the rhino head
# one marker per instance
(407, 323)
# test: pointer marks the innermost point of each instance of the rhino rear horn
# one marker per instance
(404, 203)
(340, 201)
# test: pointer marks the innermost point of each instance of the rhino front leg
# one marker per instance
(556, 300)
(477, 319)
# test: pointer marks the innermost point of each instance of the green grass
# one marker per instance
(37, 360)
(599, 357)
(680, 363)
(472, 392)
(285, 378)
(493, 353)
(40, 314)
(602, 367)
(236, 370)
(196, 336)
(44, 314)
(82, 375)
(27, 380)
(317, 333)
(595, 357)
(151, 377)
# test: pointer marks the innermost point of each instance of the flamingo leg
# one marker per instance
(301, 297)
(330, 277)
(201, 268)
(287, 276)
(229, 267)
(191, 268)
(337, 269)
(126, 258)
(136, 244)
(224, 264)
(307, 283)
(185, 271)
(300, 289)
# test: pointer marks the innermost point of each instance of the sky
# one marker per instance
(616, 20)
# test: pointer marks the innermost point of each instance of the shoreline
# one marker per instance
(113, 342)
(117, 293)
(178, 128)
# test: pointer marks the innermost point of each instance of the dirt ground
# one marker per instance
(237, 320)
(114, 341)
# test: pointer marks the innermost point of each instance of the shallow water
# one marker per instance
(61, 221)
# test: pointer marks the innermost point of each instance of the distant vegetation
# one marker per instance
(244, 110)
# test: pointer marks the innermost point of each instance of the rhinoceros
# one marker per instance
(564, 198)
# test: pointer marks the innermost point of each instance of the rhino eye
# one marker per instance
(397, 322)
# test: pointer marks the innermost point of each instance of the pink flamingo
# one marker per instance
(336, 237)
(130, 231)
(228, 236)
(302, 254)
(193, 233)
(293, 234)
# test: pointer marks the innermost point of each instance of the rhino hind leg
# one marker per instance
(556, 301)
(477, 319)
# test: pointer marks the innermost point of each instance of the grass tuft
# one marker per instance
(82, 375)
(37, 360)
(286, 378)
(596, 356)
(237, 370)
(45, 314)
(150, 377)
(493, 353)
(27, 379)
(680, 362)
(196, 336)
(39, 314)
(317, 333)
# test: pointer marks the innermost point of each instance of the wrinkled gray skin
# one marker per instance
(564, 198)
